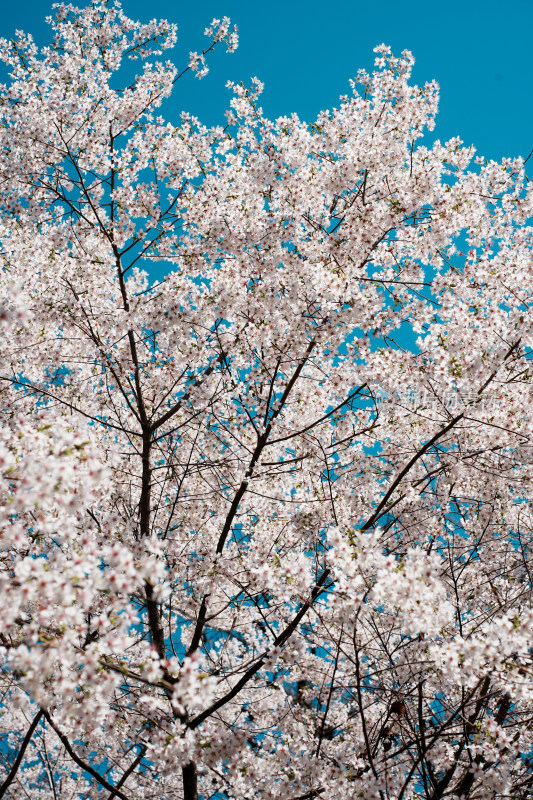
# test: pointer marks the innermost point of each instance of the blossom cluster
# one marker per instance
(265, 519)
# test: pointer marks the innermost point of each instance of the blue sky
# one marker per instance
(305, 52)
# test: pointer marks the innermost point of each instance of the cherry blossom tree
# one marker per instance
(265, 449)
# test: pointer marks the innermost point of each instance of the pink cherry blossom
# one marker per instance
(265, 447)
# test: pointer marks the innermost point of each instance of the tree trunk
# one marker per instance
(190, 782)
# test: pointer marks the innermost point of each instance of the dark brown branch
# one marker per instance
(71, 406)
(444, 782)
(466, 783)
(321, 419)
(154, 621)
(132, 767)
(380, 509)
(261, 444)
(20, 755)
(83, 764)
(280, 640)
(401, 475)
(190, 781)
(330, 694)
(195, 383)
(198, 629)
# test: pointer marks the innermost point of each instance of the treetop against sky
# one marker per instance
(305, 52)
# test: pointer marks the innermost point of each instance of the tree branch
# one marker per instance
(280, 640)
(83, 764)
(20, 755)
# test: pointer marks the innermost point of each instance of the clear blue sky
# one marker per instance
(479, 51)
